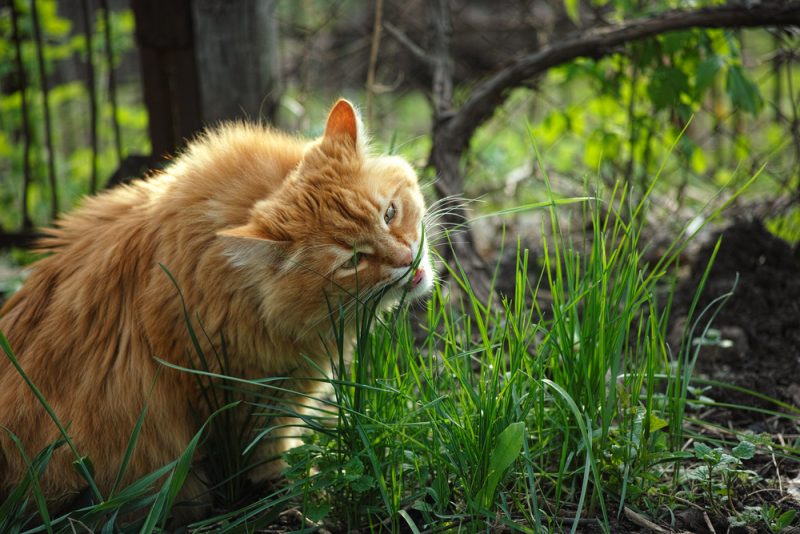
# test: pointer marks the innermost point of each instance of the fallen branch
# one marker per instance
(641, 521)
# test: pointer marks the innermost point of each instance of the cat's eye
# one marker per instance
(354, 261)
(390, 213)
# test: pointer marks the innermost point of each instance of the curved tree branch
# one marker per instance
(453, 128)
(487, 96)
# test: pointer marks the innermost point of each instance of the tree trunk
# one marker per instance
(236, 51)
(169, 74)
(204, 61)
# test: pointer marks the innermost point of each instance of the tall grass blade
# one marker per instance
(80, 461)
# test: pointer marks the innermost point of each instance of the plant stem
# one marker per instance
(48, 128)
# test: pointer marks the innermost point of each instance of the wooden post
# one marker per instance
(112, 80)
(169, 73)
(204, 61)
(236, 51)
(87, 32)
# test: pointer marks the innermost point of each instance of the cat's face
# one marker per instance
(344, 228)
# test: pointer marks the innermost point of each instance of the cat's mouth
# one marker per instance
(409, 280)
(418, 277)
(414, 283)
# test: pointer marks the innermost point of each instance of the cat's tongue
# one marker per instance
(418, 276)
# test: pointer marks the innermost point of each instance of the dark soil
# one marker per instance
(757, 349)
(760, 323)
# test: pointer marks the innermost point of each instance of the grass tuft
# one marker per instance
(560, 403)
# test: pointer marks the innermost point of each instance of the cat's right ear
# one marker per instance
(344, 123)
(252, 245)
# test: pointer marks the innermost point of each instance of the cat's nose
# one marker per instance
(406, 259)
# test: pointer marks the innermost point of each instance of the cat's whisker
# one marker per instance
(445, 227)
(445, 210)
(454, 211)
(408, 142)
(441, 215)
(448, 198)
(448, 209)
(444, 239)
(440, 229)
(450, 203)
(444, 232)
(439, 224)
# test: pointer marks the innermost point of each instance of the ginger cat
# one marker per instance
(264, 233)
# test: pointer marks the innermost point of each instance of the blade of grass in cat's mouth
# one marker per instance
(409, 282)
(418, 276)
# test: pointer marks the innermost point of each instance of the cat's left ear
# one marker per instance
(252, 244)
(345, 124)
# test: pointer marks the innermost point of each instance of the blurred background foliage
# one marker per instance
(65, 55)
(734, 92)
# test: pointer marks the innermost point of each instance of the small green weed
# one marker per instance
(767, 514)
(720, 471)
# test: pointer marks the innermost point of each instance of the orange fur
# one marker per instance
(259, 230)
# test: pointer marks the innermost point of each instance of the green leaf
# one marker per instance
(744, 450)
(84, 466)
(706, 72)
(353, 469)
(680, 41)
(698, 161)
(699, 473)
(785, 519)
(743, 92)
(317, 511)
(31, 479)
(159, 512)
(571, 6)
(422, 506)
(666, 86)
(409, 521)
(363, 483)
(726, 459)
(506, 450)
(441, 490)
(656, 423)
(701, 450)
(649, 53)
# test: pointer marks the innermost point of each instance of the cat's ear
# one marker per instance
(252, 244)
(345, 123)
(248, 231)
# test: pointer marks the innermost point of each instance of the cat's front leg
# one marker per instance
(286, 432)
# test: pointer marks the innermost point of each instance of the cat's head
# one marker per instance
(345, 227)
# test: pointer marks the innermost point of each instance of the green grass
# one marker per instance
(560, 403)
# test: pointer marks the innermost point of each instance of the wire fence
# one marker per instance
(67, 61)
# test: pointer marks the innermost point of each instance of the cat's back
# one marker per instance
(227, 168)
(117, 238)
(214, 181)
